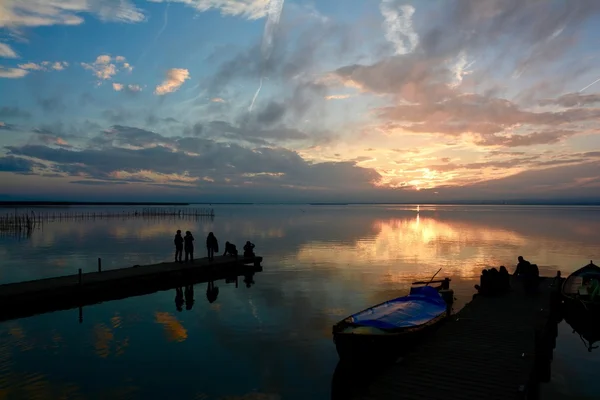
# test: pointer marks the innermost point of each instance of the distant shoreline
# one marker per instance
(83, 203)
(32, 203)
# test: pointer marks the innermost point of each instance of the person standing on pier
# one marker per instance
(178, 246)
(189, 246)
(212, 245)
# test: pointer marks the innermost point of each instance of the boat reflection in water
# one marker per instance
(585, 323)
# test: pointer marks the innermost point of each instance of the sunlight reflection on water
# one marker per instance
(273, 339)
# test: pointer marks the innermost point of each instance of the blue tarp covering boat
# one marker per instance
(421, 306)
(388, 328)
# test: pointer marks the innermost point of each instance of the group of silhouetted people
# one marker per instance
(189, 297)
(494, 281)
(186, 243)
(497, 281)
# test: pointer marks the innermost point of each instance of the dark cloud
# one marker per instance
(220, 163)
(14, 112)
(273, 112)
(8, 127)
(572, 100)
(117, 116)
(529, 139)
(52, 104)
(99, 183)
(17, 164)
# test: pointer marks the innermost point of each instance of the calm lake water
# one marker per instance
(271, 340)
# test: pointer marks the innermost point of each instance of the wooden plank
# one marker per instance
(486, 351)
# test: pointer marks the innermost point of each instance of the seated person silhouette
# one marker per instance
(230, 249)
(249, 249)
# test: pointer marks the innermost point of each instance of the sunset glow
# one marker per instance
(370, 101)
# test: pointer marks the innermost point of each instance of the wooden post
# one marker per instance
(99, 264)
(80, 314)
(236, 281)
(80, 276)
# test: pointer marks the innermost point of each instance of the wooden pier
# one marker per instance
(18, 300)
(494, 348)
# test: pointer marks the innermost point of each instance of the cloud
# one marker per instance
(572, 100)
(337, 97)
(45, 66)
(17, 164)
(105, 66)
(4, 126)
(251, 9)
(52, 104)
(14, 112)
(34, 13)
(7, 52)
(123, 152)
(530, 139)
(398, 25)
(127, 88)
(175, 78)
(12, 73)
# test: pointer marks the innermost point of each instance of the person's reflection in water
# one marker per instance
(212, 292)
(179, 299)
(189, 297)
(249, 279)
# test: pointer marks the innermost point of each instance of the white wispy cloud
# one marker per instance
(12, 72)
(45, 66)
(175, 78)
(251, 9)
(337, 97)
(398, 25)
(33, 13)
(130, 88)
(5, 50)
(105, 66)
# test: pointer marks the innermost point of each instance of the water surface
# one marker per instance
(271, 340)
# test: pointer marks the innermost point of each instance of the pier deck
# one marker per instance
(72, 291)
(486, 351)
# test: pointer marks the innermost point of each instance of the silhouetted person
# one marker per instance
(179, 299)
(188, 240)
(230, 249)
(484, 283)
(523, 267)
(249, 249)
(189, 297)
(212, 245)
(494, 281)
(212, 292)
(178, 246)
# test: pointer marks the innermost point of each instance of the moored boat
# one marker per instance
(582, 288)
(386, 330)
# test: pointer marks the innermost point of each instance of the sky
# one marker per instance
(258, 100)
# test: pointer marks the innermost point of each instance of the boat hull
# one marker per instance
(380, 348)
(569, 290)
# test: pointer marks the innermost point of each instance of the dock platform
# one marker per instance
(28, 298)
(494, 348)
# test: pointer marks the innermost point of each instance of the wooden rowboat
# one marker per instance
(386, 330)
(580, 288)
